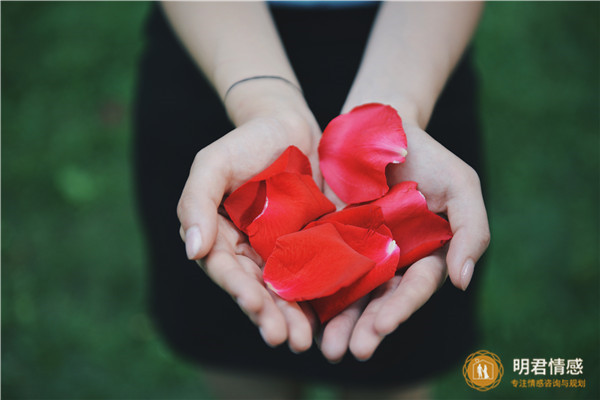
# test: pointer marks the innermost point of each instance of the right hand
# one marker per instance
(267, 125)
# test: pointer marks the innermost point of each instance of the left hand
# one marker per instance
(451, 187)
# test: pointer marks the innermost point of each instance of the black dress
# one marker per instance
(178, 113)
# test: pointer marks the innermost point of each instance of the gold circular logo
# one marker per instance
(483, 370)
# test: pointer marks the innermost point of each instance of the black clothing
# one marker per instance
(178, 113)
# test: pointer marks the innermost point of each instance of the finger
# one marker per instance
(269, 319)
(298, 326)
(233, 267)
(245, 249)
(236, 276)
(271, 322)
(268, 316)
(232, 264)
(199, 202)
(417, 285)
(337, 332)
(312, 318)
(471, 233)
(365, 339)
(230, 273)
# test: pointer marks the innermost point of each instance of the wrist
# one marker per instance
(265, 98)
(408, 108)
(274, 105)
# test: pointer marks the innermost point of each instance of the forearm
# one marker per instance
(412, 50)
(233, 41)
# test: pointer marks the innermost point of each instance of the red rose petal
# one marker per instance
(367, 242)
(280, 200)
(330, 306)
(379, 247)
(416, 229)
(248, 201)
(291, 201)
(367, 216)
(355, 149)
(313, 263)
(291, 160)
(362, 228)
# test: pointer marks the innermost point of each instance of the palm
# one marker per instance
(249, 149)
(236, 268)
(432, 166)
(230, 261)
(451, 187)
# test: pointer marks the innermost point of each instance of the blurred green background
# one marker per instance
(74, 321)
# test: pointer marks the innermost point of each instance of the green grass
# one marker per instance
(539, 66)
(73, 275)
(74, 321)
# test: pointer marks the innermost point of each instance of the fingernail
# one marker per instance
(467, 273)
(262, 334)
(293, 350)
(193, 241)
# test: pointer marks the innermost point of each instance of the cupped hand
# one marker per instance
(452, 188)
(218, 246)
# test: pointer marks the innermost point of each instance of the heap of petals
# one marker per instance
(333, 258)
(281, 199)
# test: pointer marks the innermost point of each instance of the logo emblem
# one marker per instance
(483, 370)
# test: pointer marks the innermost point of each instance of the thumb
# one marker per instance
(471, 234)
(198, 206)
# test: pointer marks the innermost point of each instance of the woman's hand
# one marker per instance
(275, 118)
(412, 49)
(230, 43)
(451, 188)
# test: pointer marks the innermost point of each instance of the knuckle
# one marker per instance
(184, 205)
(344, 320)
(428, 283)
(210, 159)
(425, 284)
(190, 197)
(486, 238)
(471, 177)
(201, 156)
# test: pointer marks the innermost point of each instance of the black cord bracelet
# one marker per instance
(260, 77)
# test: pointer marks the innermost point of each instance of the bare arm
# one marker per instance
(412, 50)
(230, 42)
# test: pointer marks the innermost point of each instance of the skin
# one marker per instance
(411, 52)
